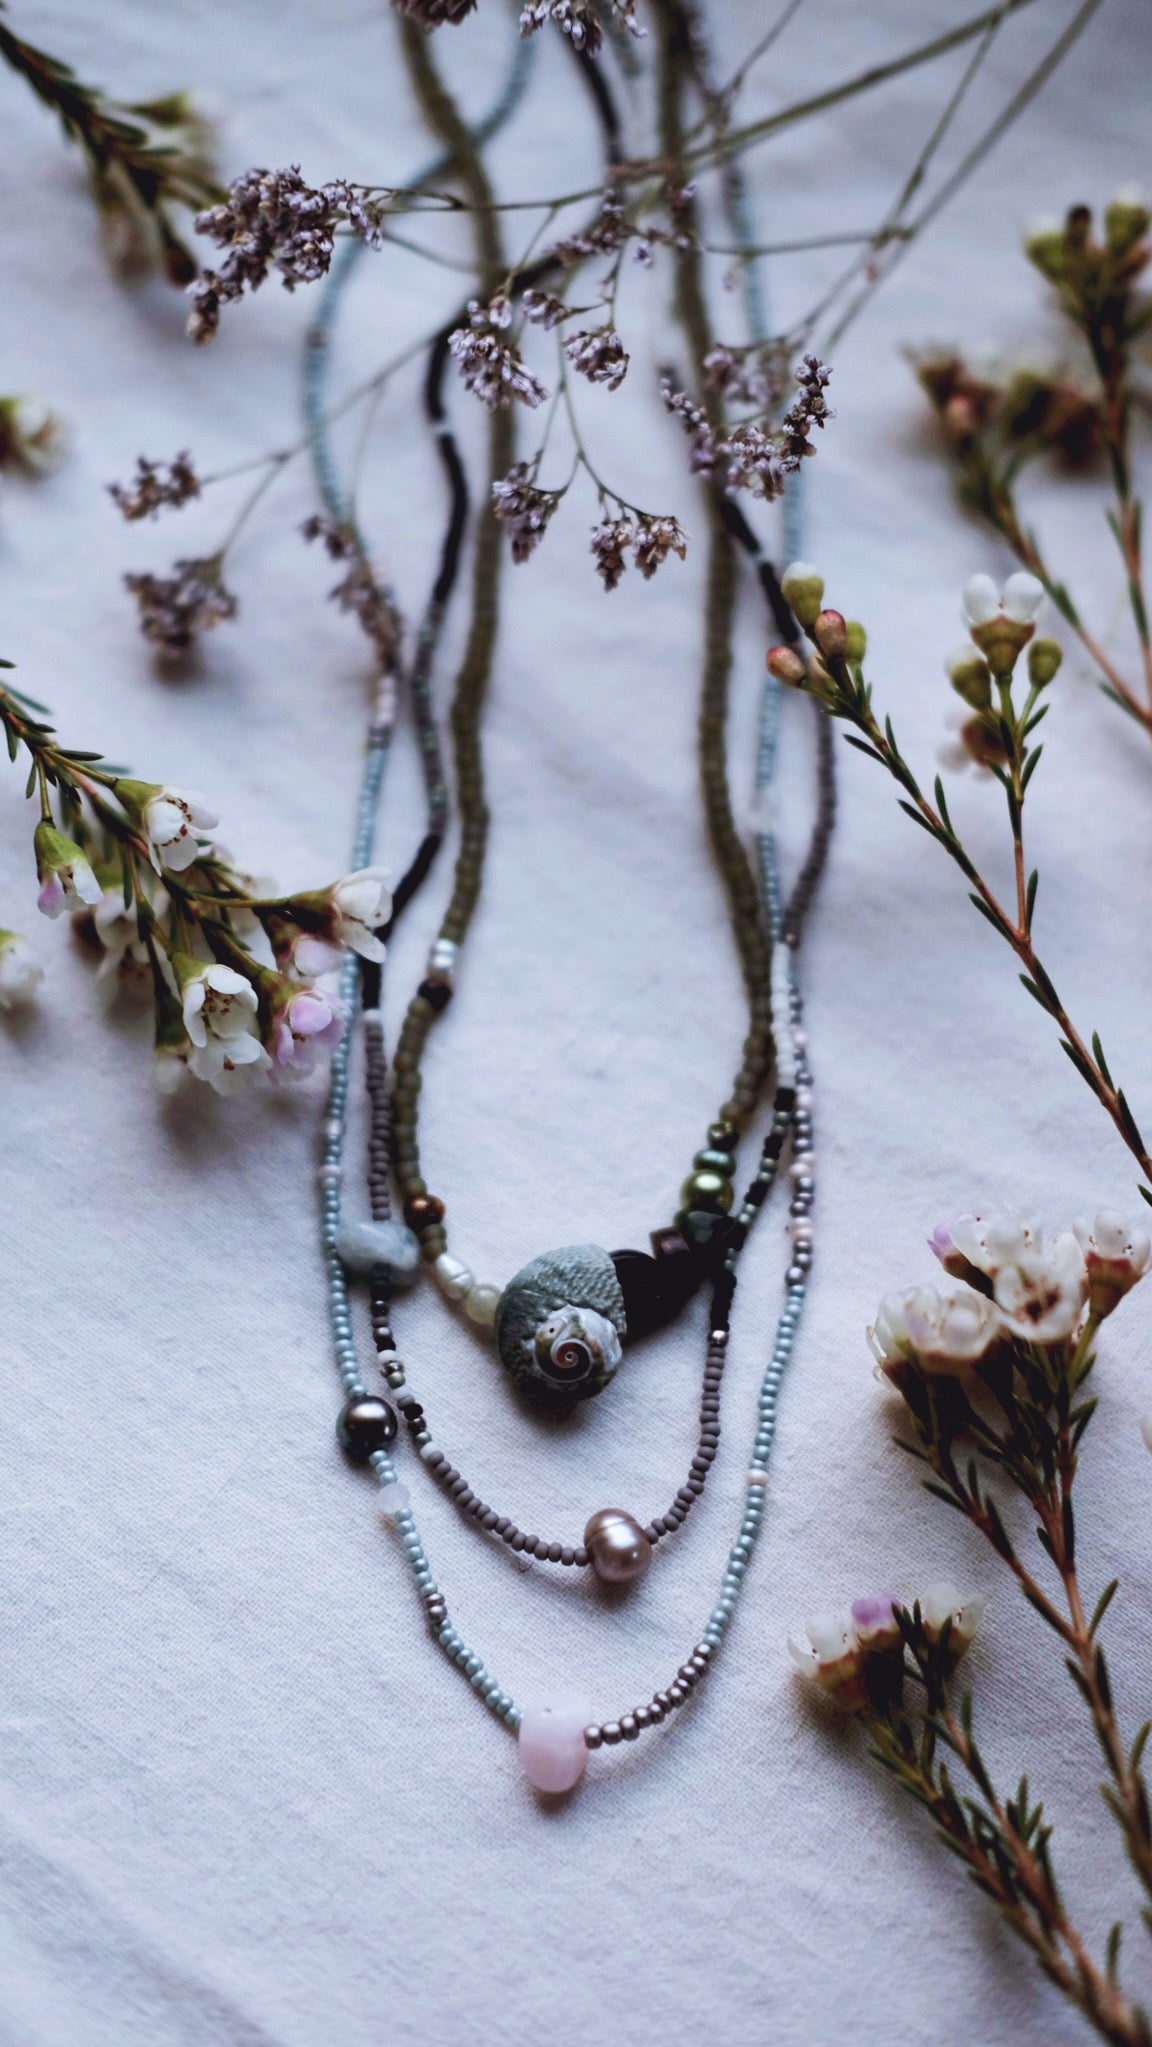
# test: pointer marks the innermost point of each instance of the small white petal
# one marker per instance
(1023, 596)
(981, 600)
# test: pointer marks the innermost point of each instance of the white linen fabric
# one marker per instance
(242, 1798)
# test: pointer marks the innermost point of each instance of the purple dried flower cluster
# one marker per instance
(173, 609)
(695, 423)
(358, 592)
(809, 409)
(542, 309)
(578, 20)
(757, 458)
(491, 368)
(272, 220)
(747, 376)
(599, 354)
(651, 541)
(522, 508)
(156, 485)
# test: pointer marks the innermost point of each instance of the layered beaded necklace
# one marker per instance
(560, 1322)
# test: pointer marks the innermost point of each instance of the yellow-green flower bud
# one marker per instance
(803, 588)
(1044, 658)
(857, 639)
(1126, 219)
(971, 677)
(1046, 249)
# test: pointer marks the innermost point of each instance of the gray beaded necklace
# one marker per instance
(557, 1733)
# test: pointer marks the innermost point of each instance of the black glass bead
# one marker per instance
(365, 1424)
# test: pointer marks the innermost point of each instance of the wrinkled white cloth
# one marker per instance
(242, 1798)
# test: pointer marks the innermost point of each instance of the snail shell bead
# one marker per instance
(574, 1290)
(553, 1751)
(618, 1549)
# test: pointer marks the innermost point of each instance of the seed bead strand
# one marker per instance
(708, 1188)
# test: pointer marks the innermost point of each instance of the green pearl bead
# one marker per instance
(709, 1191)
(722, 1134)
(715, 1161)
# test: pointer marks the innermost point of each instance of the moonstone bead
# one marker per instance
(394, 1498)
(618, 1549)
(364, 1245)
(481, 1303)
(552, 1747)
(456, 1279)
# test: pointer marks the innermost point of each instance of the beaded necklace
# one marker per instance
(561, 1322)
(556, 1734)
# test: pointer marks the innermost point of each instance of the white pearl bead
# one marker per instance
(456, 1279)
(481, 1303)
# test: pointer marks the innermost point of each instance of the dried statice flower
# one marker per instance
(599, 354)
(754, 462)
(543, 309)
(695, 423)
(610, 542)
(747, 376)
(809, 409)
(359, 592)
(173, 609)
(608, 233)
(155, 485)
(491, 368)
(655, 540)
(578, 20)
(522, 508)
(273, 220)
(430, 14)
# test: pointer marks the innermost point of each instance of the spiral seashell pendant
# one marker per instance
(561, 1323)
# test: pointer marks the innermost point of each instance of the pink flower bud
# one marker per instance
(785, 664)
(830, 633)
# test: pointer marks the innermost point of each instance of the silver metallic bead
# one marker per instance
(618, 1549)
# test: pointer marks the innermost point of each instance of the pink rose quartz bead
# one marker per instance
(552, 1740)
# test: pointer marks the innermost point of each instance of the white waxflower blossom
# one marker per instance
(830, 1657)
(1020, 599)
(229, 1064)
(976, 1248)
(20, 972)
(941, 1333)
(360, 902)
(32, 437)
(1041, 1294)
(216, 1002)
(64, 872)
(174, 822)
(942, 1604)
(1116, 1255)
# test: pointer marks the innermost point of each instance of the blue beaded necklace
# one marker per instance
(557, 1733)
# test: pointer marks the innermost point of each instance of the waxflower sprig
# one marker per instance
(234, 973)
(998, 736)
(993, 1374)
(144, 159)
(993, 429)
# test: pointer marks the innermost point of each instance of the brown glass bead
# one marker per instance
(422, 1209)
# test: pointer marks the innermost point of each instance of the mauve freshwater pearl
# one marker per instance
(618, 1549)
(552, 1747)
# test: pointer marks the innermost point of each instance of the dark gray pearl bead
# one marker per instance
(365, 1424)
(618, 1549)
